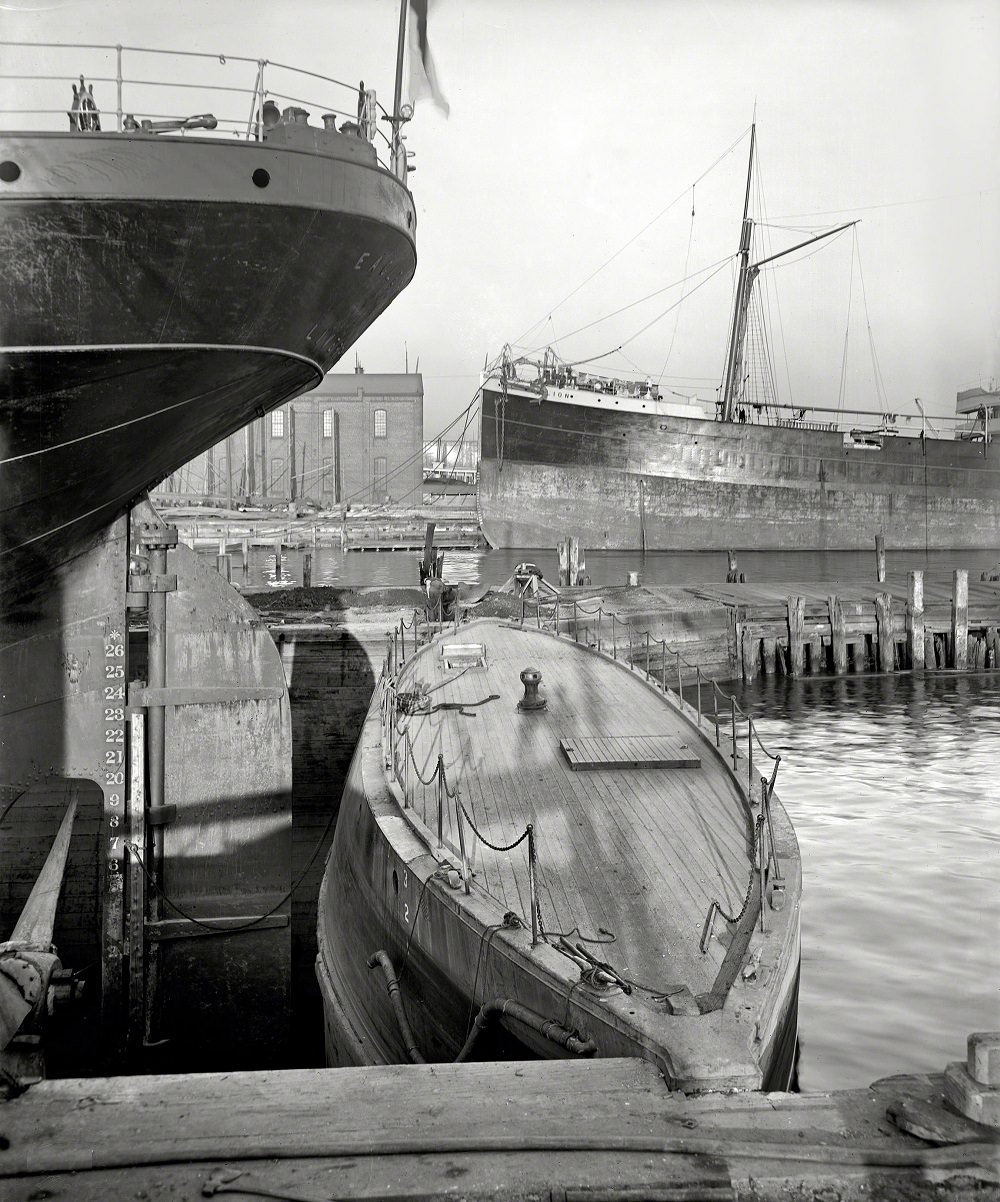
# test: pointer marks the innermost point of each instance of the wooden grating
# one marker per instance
(629, 751)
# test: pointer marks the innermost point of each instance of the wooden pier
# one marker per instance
(581, 1130)
(361, 530)
(805, 629)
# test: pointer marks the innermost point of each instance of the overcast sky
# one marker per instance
(576, 131)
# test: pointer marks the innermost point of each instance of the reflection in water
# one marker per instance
(893, 788)
(353, 569)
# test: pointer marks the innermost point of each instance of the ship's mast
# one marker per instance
(732, 378)
(737, 332)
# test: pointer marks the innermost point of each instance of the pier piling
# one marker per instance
(839, 636)
(960, 619)
(796, 623)
(915, 620)
(880, 557)
(886, 640)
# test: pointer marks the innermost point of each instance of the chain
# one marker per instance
(482, 838)
(753, 871)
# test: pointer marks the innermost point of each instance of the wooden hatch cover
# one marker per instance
(629, 751)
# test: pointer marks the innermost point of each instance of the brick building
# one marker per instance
(355, 439)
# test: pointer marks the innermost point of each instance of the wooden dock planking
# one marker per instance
(623, 846)
(502, 1130)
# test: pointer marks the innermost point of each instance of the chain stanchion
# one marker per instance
(680, 687)
(600, 615)
(576, 624)
(440, 799)
(698, 677)
(459, 811)
(532, 885)
(749, 753)
(647, 652)
(733, 710)
(663, 665)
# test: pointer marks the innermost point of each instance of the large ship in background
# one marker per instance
(620, 466)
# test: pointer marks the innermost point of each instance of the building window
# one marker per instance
(381, 483)
(380, 423)
(327, 423)
(327, 473)
(278, 423)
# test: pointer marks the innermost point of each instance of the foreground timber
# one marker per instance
(539, 1130)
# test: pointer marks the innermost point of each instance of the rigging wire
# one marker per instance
(633, 304)
(680, 196)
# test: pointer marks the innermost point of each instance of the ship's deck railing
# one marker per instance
(130, 86)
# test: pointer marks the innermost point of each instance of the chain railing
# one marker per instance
(122, 87)
(624, 638)
(450, 816)
(621, 642)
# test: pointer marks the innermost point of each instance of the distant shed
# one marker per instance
(355, 439)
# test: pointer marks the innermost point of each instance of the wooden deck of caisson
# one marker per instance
(568, 1129)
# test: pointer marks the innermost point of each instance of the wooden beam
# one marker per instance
(960, 619)
(915, 620)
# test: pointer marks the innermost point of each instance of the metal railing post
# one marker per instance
(532, 896)
(461, 843)
(698, 670)
(680, 687)
(440, 793)
(733, 710)
(407, 752)
(118, 80)
(749, 752)
(614, 638)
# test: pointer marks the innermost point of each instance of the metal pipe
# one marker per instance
(381, 958)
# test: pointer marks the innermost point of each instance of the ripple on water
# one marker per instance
(893, 787)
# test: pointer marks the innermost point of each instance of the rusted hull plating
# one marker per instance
(623, 480)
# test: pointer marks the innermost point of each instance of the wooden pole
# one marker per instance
(307, 569)
(883, 623)
(769, 647)
(915, 620)
(796, 622)
(574, 560)
(930, 650)
(564, 578)
(839, 636)
(277, 559)
(880, 557)
(960, 619)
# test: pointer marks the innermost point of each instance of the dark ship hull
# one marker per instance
(622, 474)
(162, 292)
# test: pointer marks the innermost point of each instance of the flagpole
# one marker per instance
(398, 156)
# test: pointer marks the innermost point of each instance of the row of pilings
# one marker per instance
(882, 634)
